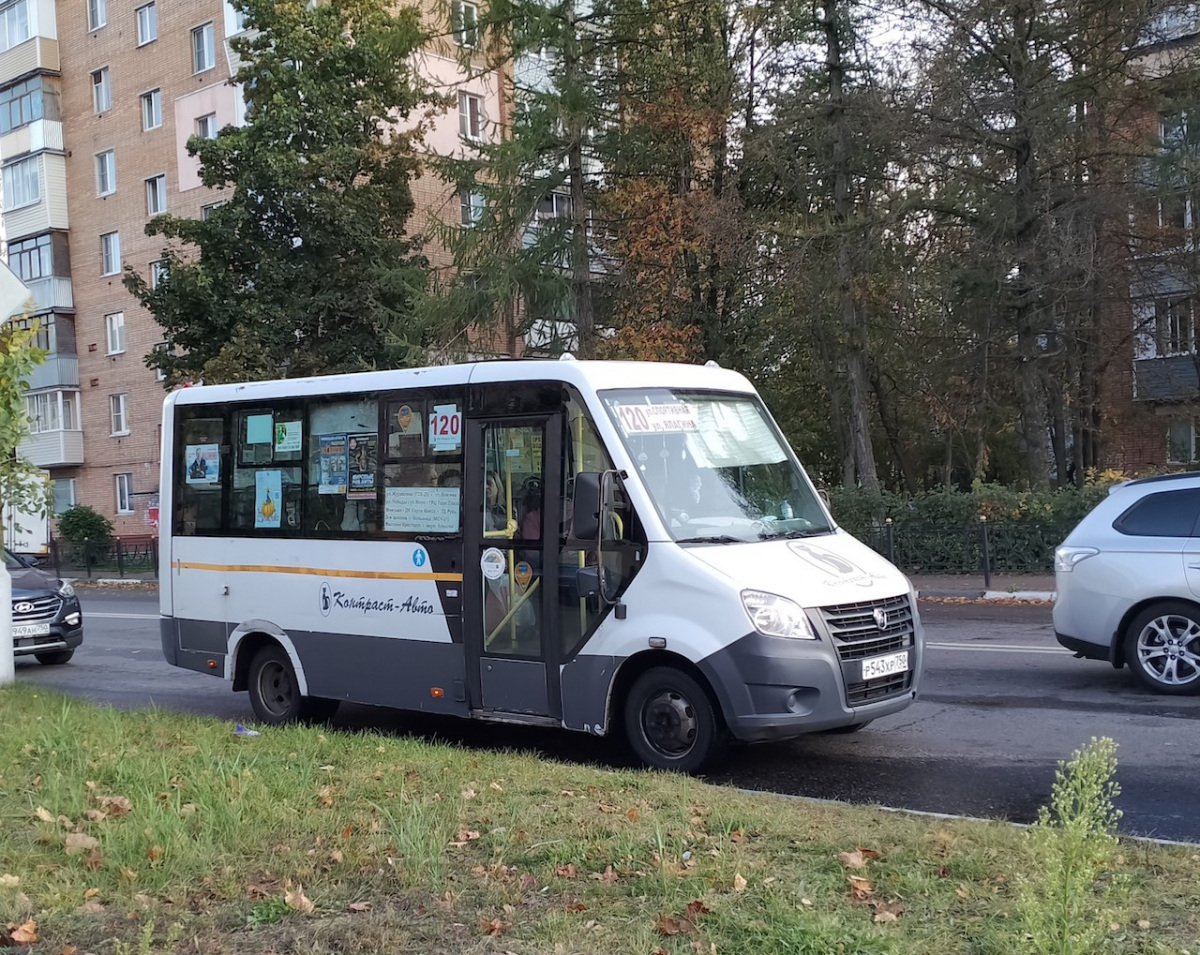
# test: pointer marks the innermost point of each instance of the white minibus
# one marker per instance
(607, 547)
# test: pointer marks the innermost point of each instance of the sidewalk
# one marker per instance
(1030, 587)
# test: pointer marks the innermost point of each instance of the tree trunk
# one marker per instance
(581, 259)
(855, 344)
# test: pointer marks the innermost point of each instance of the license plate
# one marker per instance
(31, 630)
(885, 665)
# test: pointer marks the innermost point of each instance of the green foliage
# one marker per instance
(268, 912)
(1065, 898)
(941, 530)
(307, 266)
(81, 523)
(21, 482)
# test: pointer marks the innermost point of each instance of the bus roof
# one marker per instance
(592, 375)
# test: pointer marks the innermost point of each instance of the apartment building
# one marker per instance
(97, 102)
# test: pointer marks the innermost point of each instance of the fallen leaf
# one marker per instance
(359, 906)
(468, 794)
(90, 908)
(154, 854)
(9, 881)
(347, 832)
(608, 875)
(860, 888)
(66, 821)
(78, 843)
(297, 901)
(94, 861)
(739, 882)
(90, 894)
(96, 815)
(116, 805)
(853, 860)
(696, 907)
(605, 807)
(669, 925)
(567, 871)
(128, 873)
(566, 792)
(528, 882)
(336, 855)
(576, 907)
(25, 934)
(1143, 923)
(187, 809)
(69, 950)
(496, 786)
(737, 835)
(632, 815)
(494, 926)
(888, 911)
(43, 814)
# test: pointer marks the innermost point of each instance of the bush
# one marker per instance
(940, 530)
(82, 523)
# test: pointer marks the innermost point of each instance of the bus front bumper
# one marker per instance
(774, 688)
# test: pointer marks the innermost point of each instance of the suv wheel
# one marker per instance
(1162, 647)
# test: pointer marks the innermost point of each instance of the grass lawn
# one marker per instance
(148, 832)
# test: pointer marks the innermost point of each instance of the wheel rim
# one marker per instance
(276, 688)
(669, 723)
(1168, 650)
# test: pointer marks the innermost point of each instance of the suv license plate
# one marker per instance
(885, 665)
(31, 630)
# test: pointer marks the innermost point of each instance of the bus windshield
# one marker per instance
(715, 466)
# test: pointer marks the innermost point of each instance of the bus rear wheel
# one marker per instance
(670, 721)
(275, 693)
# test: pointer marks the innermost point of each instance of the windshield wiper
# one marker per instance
(795, 535)
(715, 539)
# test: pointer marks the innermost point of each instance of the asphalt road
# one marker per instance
(1001, 705)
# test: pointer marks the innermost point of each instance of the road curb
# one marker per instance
(1024, 596)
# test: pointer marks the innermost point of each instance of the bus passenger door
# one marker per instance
(512, 518)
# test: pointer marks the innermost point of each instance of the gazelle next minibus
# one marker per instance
(600, 546)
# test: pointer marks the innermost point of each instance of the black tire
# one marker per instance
(670, 721)
(54, 658)
(852, 728)
(1162, 647)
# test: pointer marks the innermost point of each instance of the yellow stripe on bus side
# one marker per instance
(316, 571)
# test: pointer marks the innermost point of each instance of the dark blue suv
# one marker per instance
(47, 620)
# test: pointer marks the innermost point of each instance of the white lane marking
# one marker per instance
(122, 616)
(994, 648)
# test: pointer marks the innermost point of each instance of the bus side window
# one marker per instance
(203, 453)
(342, 493)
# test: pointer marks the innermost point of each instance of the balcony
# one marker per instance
(53, 449)
(1167, 379)
(51, 294)
(32, 137)
(36, 53)
(57, 371)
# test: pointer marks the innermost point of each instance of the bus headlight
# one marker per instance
(775, 616)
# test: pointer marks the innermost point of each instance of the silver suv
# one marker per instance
(1128, 580)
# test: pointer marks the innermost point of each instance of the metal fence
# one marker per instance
(981, 547)
(122, 557)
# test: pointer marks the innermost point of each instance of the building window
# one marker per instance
(554, 206)
(161, 348)
(206, 212)
(15, 27)
(204, 51)
(115, 323)
(22, 183)
(152, 109)
(470, 116)
(64, 494)
(147, 24)
(110, 253)
(97, 14)
(43, 331)
(158, 272)
(1181, 441)
(464, 19)
(106, 173)
(31, 259)
(117, 412)
(52, 411)
(156, 195)
(101, 90)
(471, 203)
(1174, 327)
(32, 99)
(124, 483)
(206, 126)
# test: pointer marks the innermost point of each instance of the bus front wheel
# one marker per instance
(275, 692)
(670, 721)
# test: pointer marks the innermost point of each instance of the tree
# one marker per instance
(22, 485)
(307, 266)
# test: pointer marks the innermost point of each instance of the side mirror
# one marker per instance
(585, 503)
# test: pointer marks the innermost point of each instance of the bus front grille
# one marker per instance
(856, 633)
